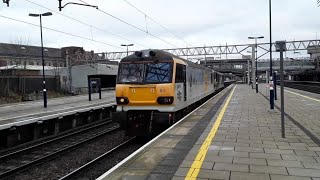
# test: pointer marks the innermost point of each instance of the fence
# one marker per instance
(19, 85)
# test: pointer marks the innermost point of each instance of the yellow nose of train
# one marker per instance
(144, 95)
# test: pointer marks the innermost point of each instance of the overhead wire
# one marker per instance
(84, 23)
(157, 22)
(62, 32)
(131, 25)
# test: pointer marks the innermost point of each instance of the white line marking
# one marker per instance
(302, 95)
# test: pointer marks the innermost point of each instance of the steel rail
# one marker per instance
(74, 173)
(42, 159)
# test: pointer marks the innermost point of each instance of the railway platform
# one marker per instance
(301, 107)
(233, 136)
(28, 112)
(28, 121)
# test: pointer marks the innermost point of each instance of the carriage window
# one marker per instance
(180, 73)
(158, 73)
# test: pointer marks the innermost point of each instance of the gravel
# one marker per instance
(70, 161)
(107, 163)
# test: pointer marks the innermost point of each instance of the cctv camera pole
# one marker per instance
(282, 95)
(280, 47)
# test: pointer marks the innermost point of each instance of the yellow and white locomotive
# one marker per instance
(155, 89)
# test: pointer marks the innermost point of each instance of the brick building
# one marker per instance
(15, 54)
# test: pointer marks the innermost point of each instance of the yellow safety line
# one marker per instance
(197, 163)
(303, 96)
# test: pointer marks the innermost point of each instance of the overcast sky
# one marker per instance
(197, 22)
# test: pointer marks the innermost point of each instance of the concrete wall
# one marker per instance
(80, 75)
(107, 69)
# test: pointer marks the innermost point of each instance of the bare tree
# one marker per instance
(17, 61)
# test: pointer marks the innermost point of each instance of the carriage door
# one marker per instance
(181, 82)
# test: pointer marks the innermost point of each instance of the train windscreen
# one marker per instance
(145, 73)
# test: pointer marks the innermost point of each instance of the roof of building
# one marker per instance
(25, 50)
(27, 67)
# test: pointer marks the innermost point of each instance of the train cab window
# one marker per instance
(130, 73)
(145, 73)
(158, 73)
(180, 73)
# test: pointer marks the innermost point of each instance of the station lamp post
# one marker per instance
(255, 59)
(127, 45)
(271, 73)
(43, 74)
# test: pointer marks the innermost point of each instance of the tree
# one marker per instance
(16, 60)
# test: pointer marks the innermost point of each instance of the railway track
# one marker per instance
(25, 158)
(85, 171)
(308, 86)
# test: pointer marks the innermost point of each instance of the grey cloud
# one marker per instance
(202, 22)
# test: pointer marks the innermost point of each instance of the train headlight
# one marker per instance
(122, 100)
(165, 100)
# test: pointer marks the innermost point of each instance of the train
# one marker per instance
(155, 89)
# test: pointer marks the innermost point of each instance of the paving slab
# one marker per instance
(173, 153)
(247, 145)
(268, 155)
(302, 106)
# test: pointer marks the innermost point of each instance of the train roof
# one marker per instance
(147, 55)
(154, 54)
